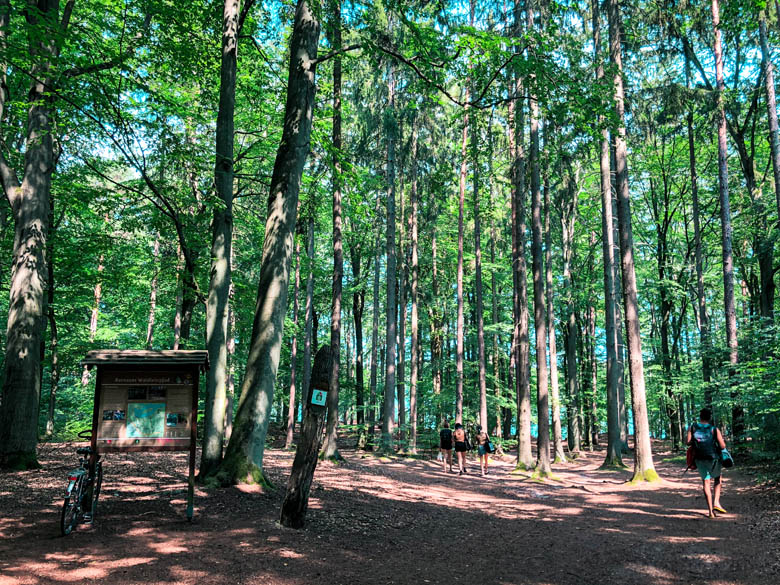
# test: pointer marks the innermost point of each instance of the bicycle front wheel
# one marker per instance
(71, 510)
(96, 488)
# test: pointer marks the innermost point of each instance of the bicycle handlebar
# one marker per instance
(86, 434)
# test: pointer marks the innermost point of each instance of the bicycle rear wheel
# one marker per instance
(96, 487)
(71, 511)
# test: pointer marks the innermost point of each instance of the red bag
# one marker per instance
(690, 458)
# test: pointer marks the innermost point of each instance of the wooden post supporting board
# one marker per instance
(296, 501)
(194, 437)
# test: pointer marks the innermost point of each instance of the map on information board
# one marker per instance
(145, 420)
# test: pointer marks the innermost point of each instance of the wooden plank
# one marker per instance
(105, 357)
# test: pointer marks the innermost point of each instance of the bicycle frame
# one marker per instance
(73, 478)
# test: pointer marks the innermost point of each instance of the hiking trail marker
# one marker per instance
(319, 397)
(147, 401)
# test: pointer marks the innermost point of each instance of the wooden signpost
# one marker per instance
(296, 501)
(147, 401)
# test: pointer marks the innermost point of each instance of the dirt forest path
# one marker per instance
(389, 521)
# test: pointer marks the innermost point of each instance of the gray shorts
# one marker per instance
(709, 468)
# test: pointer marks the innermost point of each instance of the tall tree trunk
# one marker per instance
(594, 381)
(374, 331)
(189, 300)
(358, 305)
(644, 469)
(437, 325)
(29, 202)
(401, 377)
(620, 343)
(521, 343)
(737, 413)
(93, 319)
(53, 337)
(402, 284)
(460, 322)
(308, 352)
(413, 374)
(480, 317)
(221, 241)
(288, 441)
(583, 349)
(771, 104)
(179, 300)
(231, 390)
(540, 314)
(662, 219)
(568, 221)
(614, 444)
(152, 296)
(495, 358)
(330, 448)
(390, 340)
(555, 395)
(244, 455)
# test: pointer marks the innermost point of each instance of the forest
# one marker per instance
(556, 219)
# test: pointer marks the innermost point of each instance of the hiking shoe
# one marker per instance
(719, 509)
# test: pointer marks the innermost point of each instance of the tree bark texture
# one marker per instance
(221, 241)
(729, 302)
(415, 274)
(288, 440)
(540, 314)
(244, 455)
(644, 469)
(29, 203)
(296, 500)
(391, 312)
(613, 455)
(330, 449)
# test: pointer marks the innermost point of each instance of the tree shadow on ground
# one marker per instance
(375, 521)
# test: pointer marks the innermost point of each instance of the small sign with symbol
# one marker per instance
(319, 397)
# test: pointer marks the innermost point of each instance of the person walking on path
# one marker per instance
(461, 447)
(482, 440)
(707, 441)
(445, 445)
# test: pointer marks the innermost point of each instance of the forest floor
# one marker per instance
(392, 520)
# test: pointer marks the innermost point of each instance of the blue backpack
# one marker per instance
(704, 442)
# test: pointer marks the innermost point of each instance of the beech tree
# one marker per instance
(243, 460)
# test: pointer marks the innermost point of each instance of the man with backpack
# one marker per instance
(707, 442)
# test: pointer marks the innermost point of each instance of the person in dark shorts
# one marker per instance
(708, 442)
(461, 446)
(445, 445)
(481, 439)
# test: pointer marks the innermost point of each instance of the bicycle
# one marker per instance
(83, 490)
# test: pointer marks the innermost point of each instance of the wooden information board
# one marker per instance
(147, 401)
(149, 409)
